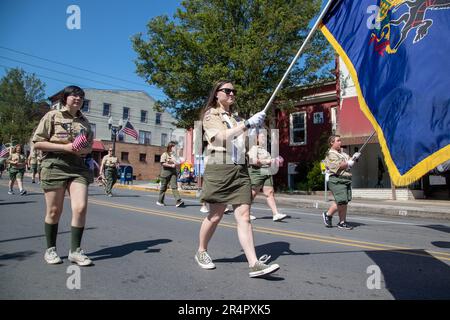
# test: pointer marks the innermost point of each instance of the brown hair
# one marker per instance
(170, 146)
(212, 99)
(332, 138)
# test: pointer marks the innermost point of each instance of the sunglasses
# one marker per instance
(227, 91)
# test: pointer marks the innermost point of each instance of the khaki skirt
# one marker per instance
(227, 184)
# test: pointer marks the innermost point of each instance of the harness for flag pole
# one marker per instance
(300, 51)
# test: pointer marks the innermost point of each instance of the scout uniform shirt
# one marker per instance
(215, 121)
(333, 161)
(19, 159)
(59, 126)
(110, 162)
(33, 157)
(167, 158)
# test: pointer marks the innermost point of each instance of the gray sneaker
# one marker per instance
(51, 257)
(204, 260)
(261, 268)
(79, 257)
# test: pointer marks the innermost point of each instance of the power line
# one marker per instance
(71, 66)
(78, 68)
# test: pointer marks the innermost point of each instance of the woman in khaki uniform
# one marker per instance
(65, 138)
(226, 179)
(169, 175)
(339, 164)
(17, 163)
(260, 171)
(110, 164)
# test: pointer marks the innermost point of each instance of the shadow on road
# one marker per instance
(413, 274)
(125, 249)
(274, 249)
(438, 227)
(17, 202)
(19, 256)
(40, 236)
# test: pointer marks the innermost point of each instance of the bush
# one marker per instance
(315, 178)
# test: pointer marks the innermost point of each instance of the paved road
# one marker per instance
(142, 251)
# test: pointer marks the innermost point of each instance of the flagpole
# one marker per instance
(367, 141)
(300, 51)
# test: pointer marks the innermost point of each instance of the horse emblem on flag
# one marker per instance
(414, 17)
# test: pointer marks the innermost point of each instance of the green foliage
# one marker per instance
(251, 42)
(315, 178)
(20, 95)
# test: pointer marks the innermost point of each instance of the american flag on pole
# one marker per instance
(4, 151)
(80, 142)
(129, 130)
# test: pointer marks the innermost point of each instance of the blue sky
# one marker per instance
(102, 45)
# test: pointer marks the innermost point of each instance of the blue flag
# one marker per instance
(398, 54)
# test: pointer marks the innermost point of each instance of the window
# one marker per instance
(106, 109)
(85, 107)
(143, 116)
(297, 126)
(158, 118)
(142, 157)
(157, 158)
(124, 156)
(94, 129)
(126, 113)
(163, 139)
(145, 137)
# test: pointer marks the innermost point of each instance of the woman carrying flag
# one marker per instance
(65, 138)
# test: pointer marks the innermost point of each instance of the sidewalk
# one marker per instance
(439, 209)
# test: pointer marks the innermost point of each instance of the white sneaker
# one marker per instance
(279, 216)
(204, 209)
(252, 217)
(79, 257)
(161, 204)
(51, 257)
(204, 260)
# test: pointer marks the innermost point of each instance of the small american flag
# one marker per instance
(80, 142)
(3, 151)
(129, 130)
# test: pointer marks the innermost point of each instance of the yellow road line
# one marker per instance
(284, 233)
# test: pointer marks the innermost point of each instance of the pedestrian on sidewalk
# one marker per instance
(226, 179)
(261, 168)
(339, 165)
(108, 169)
(65, 138)
(17, 163)
(169, 175)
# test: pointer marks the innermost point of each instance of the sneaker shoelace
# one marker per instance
(205, 257)
(264, 258)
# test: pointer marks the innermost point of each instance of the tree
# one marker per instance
(251, 42)
(20, 95)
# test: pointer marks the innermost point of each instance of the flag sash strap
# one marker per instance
(422, 167)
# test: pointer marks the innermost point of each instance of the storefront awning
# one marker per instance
(98, 146)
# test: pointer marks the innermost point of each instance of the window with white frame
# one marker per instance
(297, 128)
(163, 139)
(126, 113)
(106, 109)
(85, 107)
(93, 129)
(143, 116)
(158, 118)
(145, 137)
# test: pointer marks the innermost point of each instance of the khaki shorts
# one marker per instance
(34, 167)
(16, 173)
(258, 179)
(341, 188)
(57, 171)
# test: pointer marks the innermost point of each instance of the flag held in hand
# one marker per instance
(80, 142)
